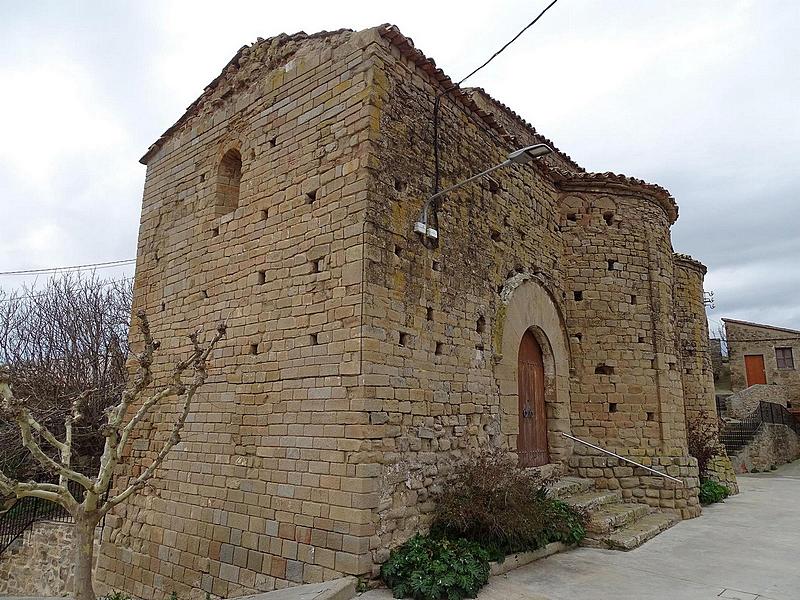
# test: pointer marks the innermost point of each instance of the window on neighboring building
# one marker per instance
(784, 358)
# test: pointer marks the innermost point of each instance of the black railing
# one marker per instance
(737, 435)
(26, 511)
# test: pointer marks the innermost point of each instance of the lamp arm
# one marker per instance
(461, 184)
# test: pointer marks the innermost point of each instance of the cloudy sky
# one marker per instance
(699, 96)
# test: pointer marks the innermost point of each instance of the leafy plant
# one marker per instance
(711, 492)
(428, 568)
(116, 595)
(505, 508)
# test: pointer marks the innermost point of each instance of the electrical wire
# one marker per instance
(514, 39)
(13, 298)
(100, 265)
(437, 100)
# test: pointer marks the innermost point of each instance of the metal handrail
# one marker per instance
(633, 462)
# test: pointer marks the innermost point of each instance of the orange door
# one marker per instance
(532, 438)
(754, 369)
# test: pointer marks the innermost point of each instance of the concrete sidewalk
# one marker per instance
(744, 549)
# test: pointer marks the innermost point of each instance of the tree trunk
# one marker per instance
(83, 589)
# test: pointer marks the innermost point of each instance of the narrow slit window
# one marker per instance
(439, 349)
(480, 326)
(604, 369)
(577, 295)
(612, 407)
(229, 177)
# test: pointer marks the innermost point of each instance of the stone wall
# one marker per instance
(260, 493)
(581, 260)
(773, 445)
(42, 564)
(721, 470)
(639, 485)
(744, 402)
(715, 351)
(754, 339)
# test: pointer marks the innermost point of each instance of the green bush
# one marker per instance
(115, 595)
(504, 508)
(711, 492)
(428, 568)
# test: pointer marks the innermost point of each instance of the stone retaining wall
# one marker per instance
(720, 469)
(638, 485)
(42, 565)
(743, 403)
(773, 445)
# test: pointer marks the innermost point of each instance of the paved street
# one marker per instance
(744, 549)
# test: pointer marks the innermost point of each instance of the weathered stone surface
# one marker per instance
(40, 563)
(773, 445)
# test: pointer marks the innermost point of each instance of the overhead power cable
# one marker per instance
(17, 298)
(511, 41)
(100, 265)
(439, 96)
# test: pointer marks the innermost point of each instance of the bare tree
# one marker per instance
(64, 341)
(117, 432)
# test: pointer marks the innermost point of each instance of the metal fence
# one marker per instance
(735, 436)
(23, 513)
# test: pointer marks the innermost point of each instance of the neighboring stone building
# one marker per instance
(361, 365)
(764, 354)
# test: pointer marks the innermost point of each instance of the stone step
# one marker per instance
(568, 486)
(592, 499)
(608, 517)
(633, 534)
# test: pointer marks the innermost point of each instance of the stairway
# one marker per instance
(612, 523)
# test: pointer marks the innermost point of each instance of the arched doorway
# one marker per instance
(532, 437)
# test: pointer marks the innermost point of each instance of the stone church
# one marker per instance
(365, 360)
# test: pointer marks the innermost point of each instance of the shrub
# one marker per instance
(711, 492)
(702, 437)
(428, 568)
(503, 507)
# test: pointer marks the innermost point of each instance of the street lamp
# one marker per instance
(517, 157)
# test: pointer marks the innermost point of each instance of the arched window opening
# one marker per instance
(229, 176)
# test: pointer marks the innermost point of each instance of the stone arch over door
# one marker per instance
(529, 307)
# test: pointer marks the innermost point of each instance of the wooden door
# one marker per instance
(754, 369)
(532, 438)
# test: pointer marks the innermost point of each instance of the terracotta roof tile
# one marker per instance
(654, 191)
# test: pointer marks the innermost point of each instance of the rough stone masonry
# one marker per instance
(361, 365)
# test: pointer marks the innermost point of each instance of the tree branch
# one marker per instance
(198, 360)
(26, 423)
